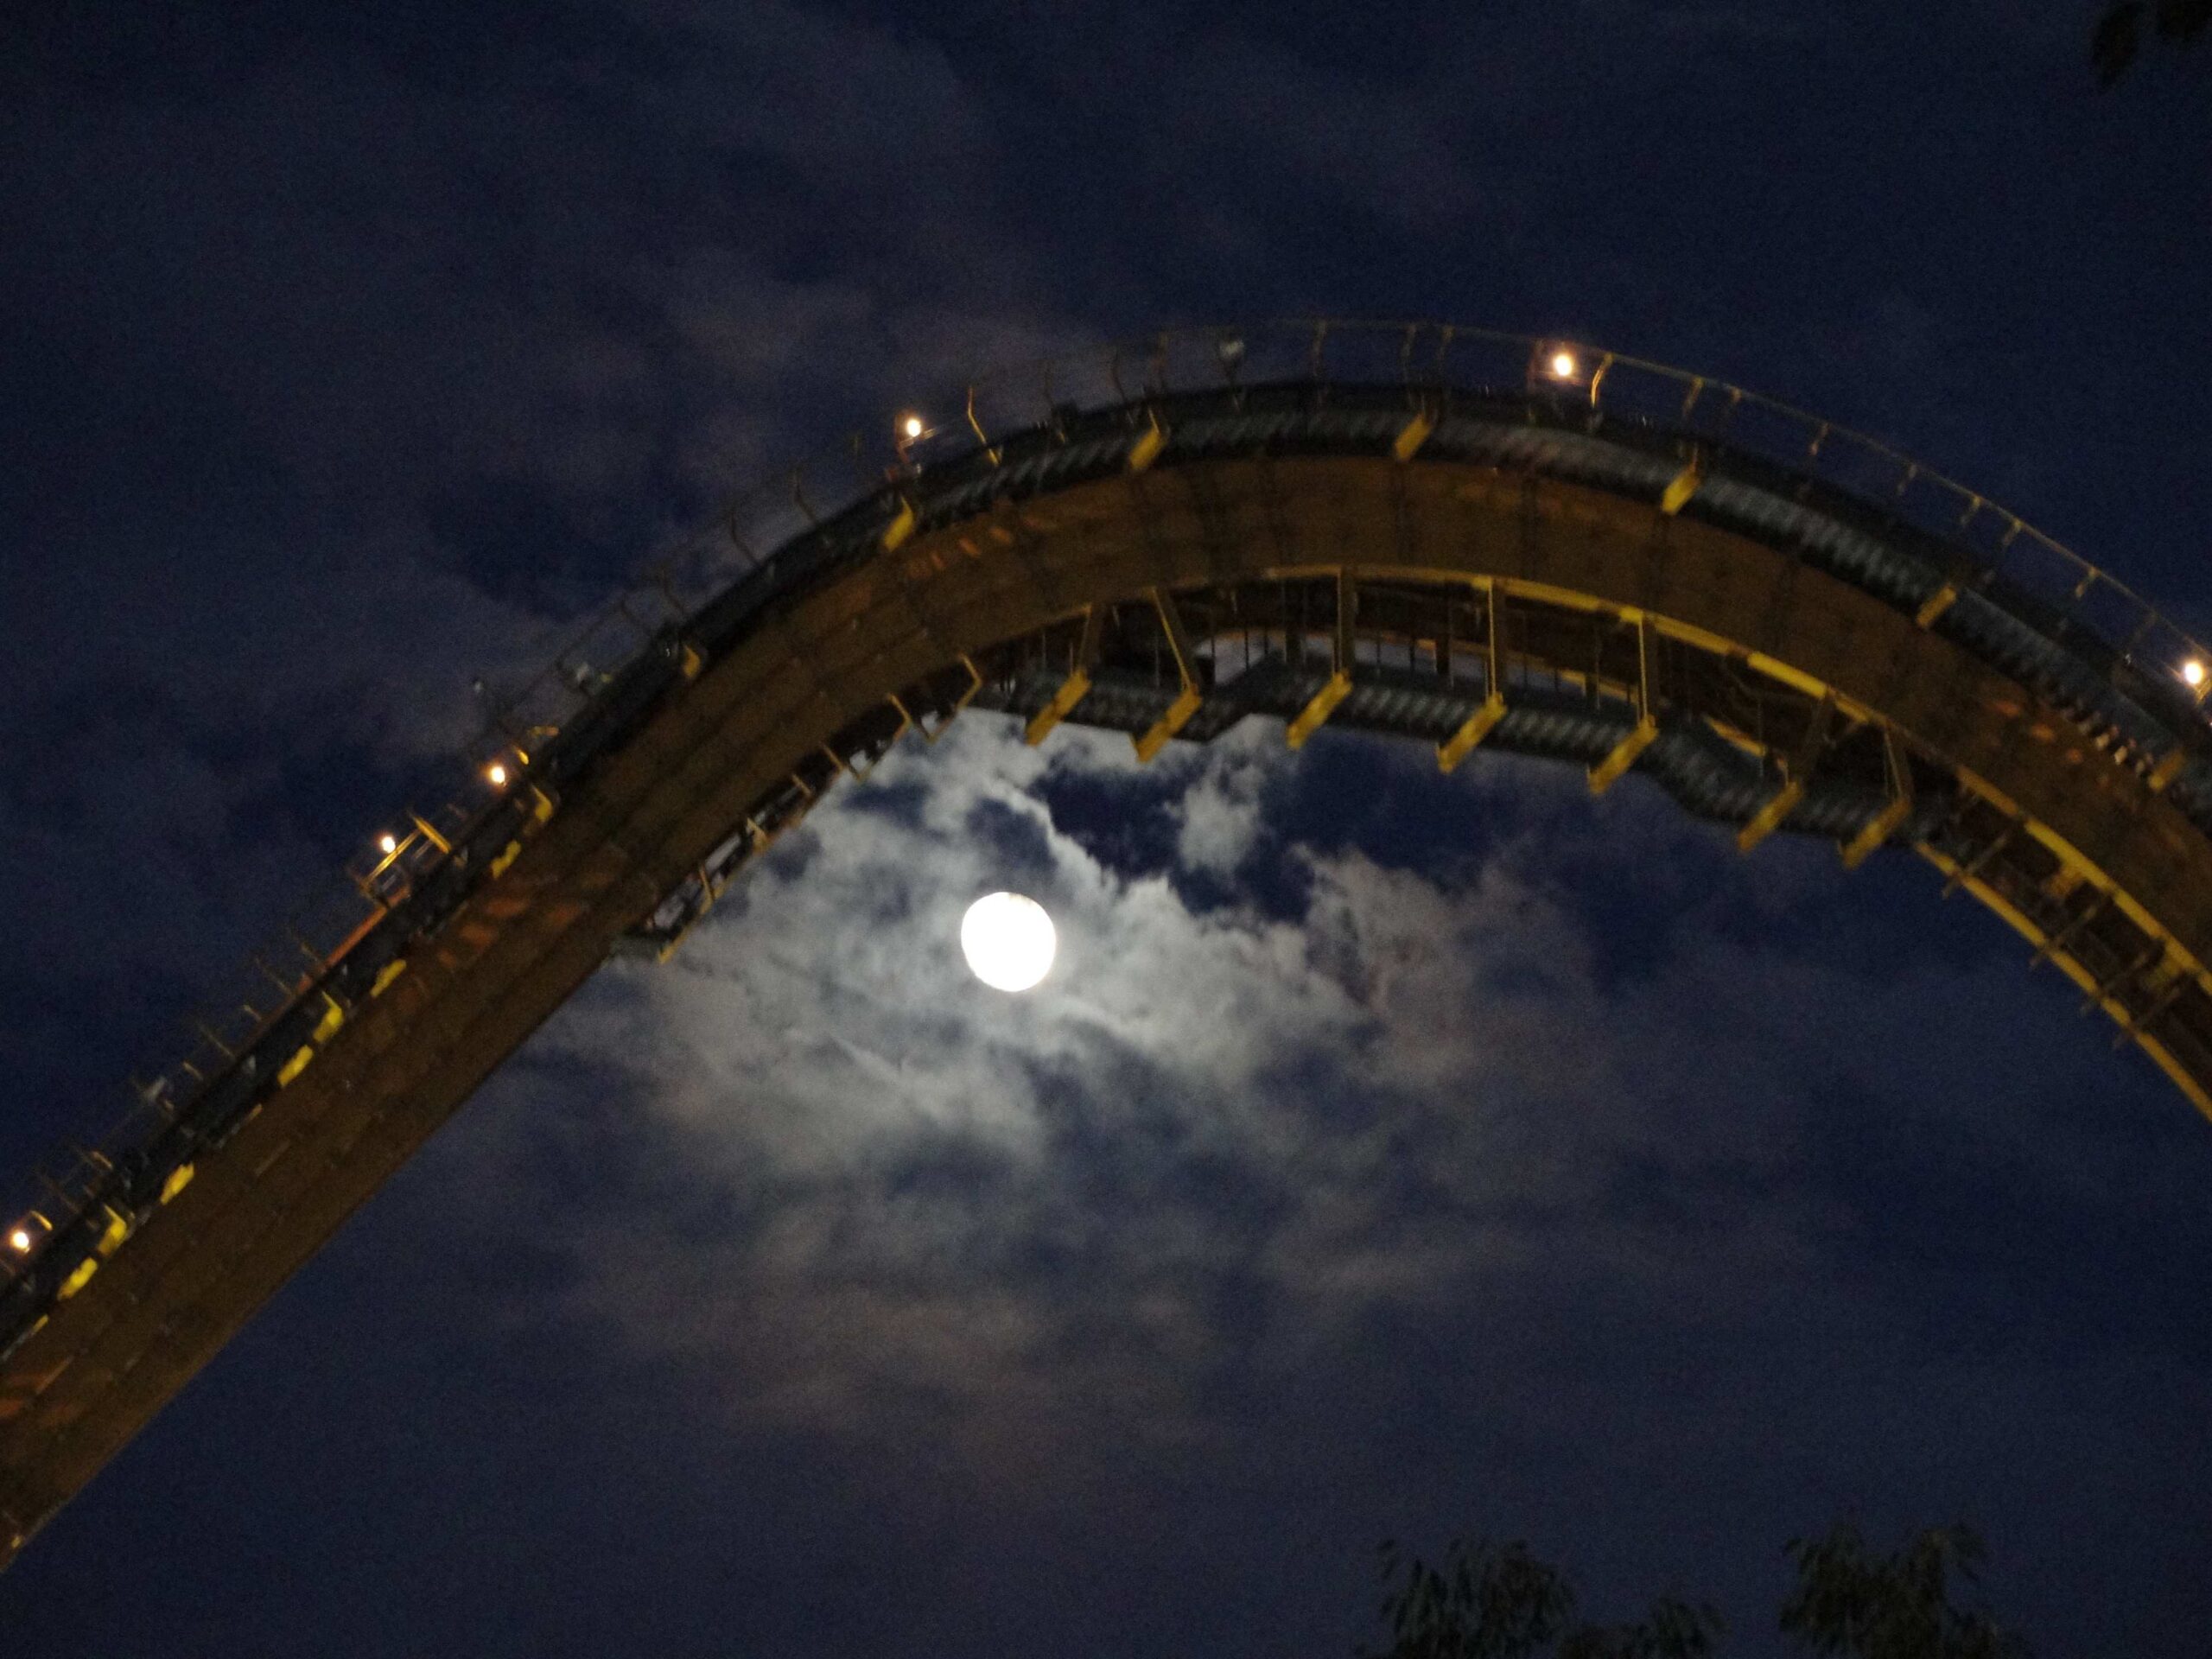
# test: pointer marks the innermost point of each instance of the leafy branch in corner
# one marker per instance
(1486, 1600)
(2118, 37)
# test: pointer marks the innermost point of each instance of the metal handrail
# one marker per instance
(1429, 359)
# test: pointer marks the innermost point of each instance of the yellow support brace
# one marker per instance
(1179, 643)
(1147, 448)
(2169, 768)
(1177, 717)
(1339, 687)
(1072, 691)
(1311, 717)
(1880, 828)
(901, 528)
(180, 1178)
(1411, 436)
(1073, 688)
(1937, 603)
(1768, 819)
(78, 1279)
(1179, 712)
(1607, 772)
(1461, 743)
(1677, 495)
(1890, 818)
(292, 1068)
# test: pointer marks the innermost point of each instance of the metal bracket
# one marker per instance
(1608, 772)
(1186, 704)
(1479, 725)
(1072, 688)
(1887, 822)
(1338, 686)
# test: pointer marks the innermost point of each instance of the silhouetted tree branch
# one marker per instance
(1897, 1606)
(2118, 37)
(1498, 1601)
(1492, 1601)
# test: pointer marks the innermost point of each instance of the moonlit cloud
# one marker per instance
(1223, 1146)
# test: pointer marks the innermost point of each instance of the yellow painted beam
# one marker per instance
(1461, 743)
(901, 530)
(1177, 717)
(1179, 712)
(1146, 449)
(2161, 1056)
(1769, 818)
(1179, 643)
(1898, 764)
(1071, 692)
(1411, 436)
(1677, 495)
(2169, 767)
(1312, 717)
(1607, 773)
(1937, 603)
(1880, 828)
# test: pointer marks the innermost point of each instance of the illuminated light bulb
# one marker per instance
(19, 1241)
(388, 845)
(912, 426)
(1563, 364)
(1008, 941)
(2193, 672)
(498, 774)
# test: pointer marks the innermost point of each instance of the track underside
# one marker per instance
(1461, 606)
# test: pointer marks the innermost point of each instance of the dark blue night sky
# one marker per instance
(1390, 1155)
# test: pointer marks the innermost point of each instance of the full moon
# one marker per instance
(1008, 940)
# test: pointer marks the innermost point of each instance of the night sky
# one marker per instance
(1388, 1155)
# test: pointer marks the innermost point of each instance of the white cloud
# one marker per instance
(1215, 1143)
